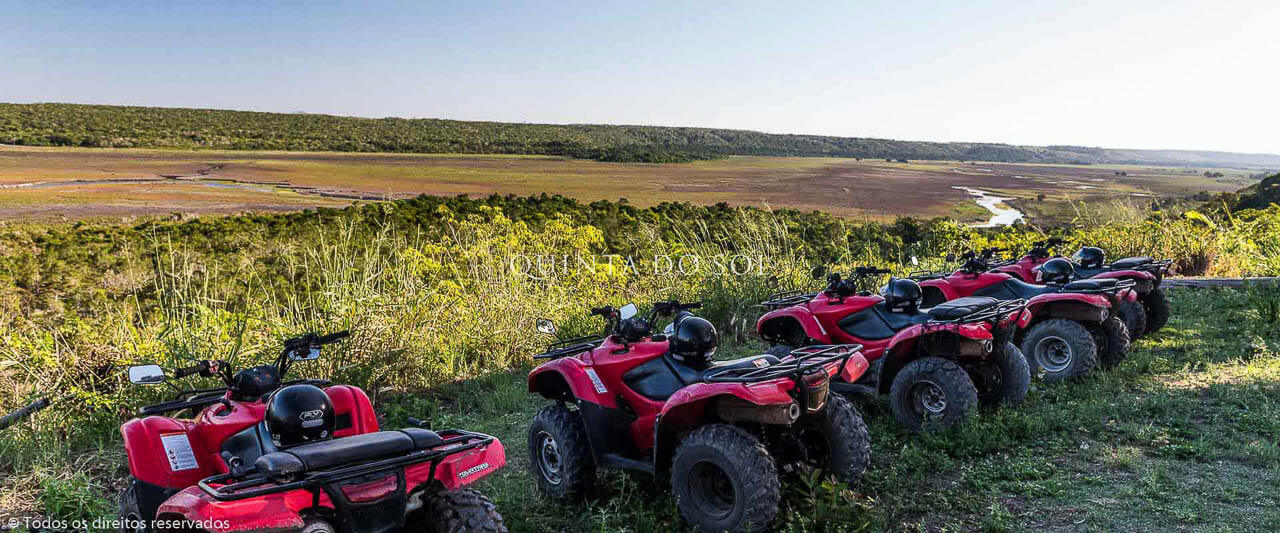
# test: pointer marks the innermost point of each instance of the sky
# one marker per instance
(1168, 74)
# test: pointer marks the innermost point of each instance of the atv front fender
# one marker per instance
(567, 379)
(778, 324)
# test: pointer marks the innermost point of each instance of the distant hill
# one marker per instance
(119, 126)
(1256, 196)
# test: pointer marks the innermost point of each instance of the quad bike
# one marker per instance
(632, 399)
(936, 364)
(1075, 325)
(234, 466)
(1146, 273)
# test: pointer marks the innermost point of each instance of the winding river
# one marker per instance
(1001, 214)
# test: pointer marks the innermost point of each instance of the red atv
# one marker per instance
(262, 454)
(936, 364)
(658, 404)
(1074, 326)
(1145, 272)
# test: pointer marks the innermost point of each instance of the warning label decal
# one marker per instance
(178, 449)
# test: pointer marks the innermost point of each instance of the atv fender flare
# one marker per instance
(568, 380)
(1081, 307)
(276, 512)
(901, 348)
(1143, 281)
(775, 324)
(687, 408)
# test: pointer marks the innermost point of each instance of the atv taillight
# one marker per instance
(816, 387)
(372, 490)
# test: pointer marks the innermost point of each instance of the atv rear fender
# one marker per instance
(1143, 281)
(971, 339)
(689, 406)
(1089, 308)
(781, 326)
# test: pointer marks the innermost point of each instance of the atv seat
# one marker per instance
(961, 307)
(346, 450)
(1130, 262)
(1090, 284)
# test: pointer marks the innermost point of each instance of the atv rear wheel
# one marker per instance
(932, 391)
(456, 511)
(1158, 309)
(559, 453)
(838, 439)
(724, 479)
(1134, 316)
(1059, 349)
(1113, 341)
(1010, 380)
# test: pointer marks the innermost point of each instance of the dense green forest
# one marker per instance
(115, 126)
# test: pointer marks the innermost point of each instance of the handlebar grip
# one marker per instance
(602, 311)
(333, 337)
(30, 409)
(417, 422)
(691, 305)
(188, 371)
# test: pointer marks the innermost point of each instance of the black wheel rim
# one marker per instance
(1053, 354)
(711, 490)
(549, 460)
(929, 399)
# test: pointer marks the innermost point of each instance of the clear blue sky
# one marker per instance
(1145, 74)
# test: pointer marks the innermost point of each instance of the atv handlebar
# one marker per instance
(312, 339)
(31, 408)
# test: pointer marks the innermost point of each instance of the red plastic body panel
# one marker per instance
(353, 401)
(810, 324)
(961, 284)
(1023, 269)
(465, 468)
(1038, 303)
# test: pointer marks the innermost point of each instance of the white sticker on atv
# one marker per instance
(760, 363)
(178, 449)
(595, 380)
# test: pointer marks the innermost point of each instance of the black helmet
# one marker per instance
(299, 414)
(1057, 271)
(1090, 257)
(903, 296)
(693, 340)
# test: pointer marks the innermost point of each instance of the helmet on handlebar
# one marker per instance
(903, 295)
(693, 340)
(299, 414)
(1090, 257)
(1056, 271)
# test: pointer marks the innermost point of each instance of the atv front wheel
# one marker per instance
(1059, 349)
(131, 519)
(843, 443)
(559, 453)
(1134, 316)
(1113, 347)
(724, 480)
(1011, 378)
(932, 391)
(456, 511)
(1158, 309)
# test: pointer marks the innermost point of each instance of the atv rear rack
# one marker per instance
(570, 347)
(803, 361)
(254, 484)
(994, 314)
(782, 299)
(1121, 284)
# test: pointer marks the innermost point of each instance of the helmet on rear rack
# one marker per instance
(299, 414)
(903, 295)
(1090, 257)
(693, 340)
(1056, 271)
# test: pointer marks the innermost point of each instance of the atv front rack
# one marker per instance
(803, 360)
(232, 487)
(570, 347)
(924, 275)
(782, 299)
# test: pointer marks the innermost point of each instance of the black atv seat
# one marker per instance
(1090, 284)
(1130, 262)
(961, 307)
(1018, 289)
(346, 450)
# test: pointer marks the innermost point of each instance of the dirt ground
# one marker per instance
(73, 183)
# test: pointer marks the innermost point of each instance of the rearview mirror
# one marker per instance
(627, 311)
(146, 374)
(914, 261)
(545, 325)
(818, 272)
(311, 354)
